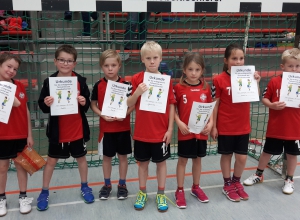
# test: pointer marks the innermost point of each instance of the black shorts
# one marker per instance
(157, 152)
(229, 144)
(275, 146)
(192, 148)
(10, 148)
(63, 150)
(116, 142)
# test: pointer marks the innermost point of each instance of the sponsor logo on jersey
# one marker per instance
(195, 90)
(21, 95)
(203, 97)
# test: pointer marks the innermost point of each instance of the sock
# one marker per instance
(107, 182)
(22, 194)
(179, 188)
(45, 191)
(161, 190)
(236, 179)
(122, 182)
(195, 186)
(259, 172)
(289, 177)
(143, 189)
(2, 196)
(84, 185)
(227, 181)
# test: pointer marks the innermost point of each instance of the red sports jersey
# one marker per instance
(98, 94)
(232, 118)
(185, 96)
(17, 126)
(70, 126)
(282, 124)
(150, 126)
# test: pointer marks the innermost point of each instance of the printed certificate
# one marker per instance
(64, 91)
(7, 95)
(243, 85)
(155, 99)
(290, 89)
(115, 100)
(199, 116)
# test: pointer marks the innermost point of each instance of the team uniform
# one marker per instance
(288, 135)
(114, 137)
(67, 134)
(13, 135)
(233, 119)
(191, 145)
(150, 128)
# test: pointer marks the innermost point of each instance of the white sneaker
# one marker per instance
(3, 209)
(25, 206)
(253, 179)
(288, 187)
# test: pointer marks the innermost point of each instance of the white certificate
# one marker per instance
(115, 100)
(243, 85)
(290, 89)
(7, 95)
(155, 99)
(199, 116)
(64, 91)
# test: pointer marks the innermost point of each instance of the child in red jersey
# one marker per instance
(67, 134)
(152, 131)
(231, 125)
(114, 135)
(192, 88)
(281, 131)
(15, 135)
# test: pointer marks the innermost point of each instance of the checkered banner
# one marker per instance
(153, 6)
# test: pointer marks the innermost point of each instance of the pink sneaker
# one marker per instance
(240, 191)
(231, 193)
(180, 199)
(199, 194)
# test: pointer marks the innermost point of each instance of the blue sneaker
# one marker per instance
(87, 194)
(161, 201)
(42, 202)
(141, 200)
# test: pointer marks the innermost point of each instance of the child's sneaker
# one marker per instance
(104, 192)
(180, 199)
(199, 194)
(3, 209)
(253, 179)
(230, 193)
(122, 192)
(240, 191)
(288, 187)
(161, 201)
(141, 200)
(42, 202)
(25, 204)
(87, 194)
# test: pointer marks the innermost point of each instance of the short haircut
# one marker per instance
(290, 54)
(109, 54)
(8, 56)
(151, 46)
(67, 49)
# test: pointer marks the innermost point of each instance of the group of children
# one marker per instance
(229, 124)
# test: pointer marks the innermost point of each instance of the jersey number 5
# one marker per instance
(184, 99)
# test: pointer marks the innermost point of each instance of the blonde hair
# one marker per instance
(109, 54)
(198, 59)
(289, 54)
(151, 46)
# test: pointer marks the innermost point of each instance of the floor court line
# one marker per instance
(130, 180)
(134, 195)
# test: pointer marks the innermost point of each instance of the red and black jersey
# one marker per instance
(150, 126)
(98, 94)
(232, 118)
(70, 126)
(282, 124)
(17, 126)
(185, 96)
